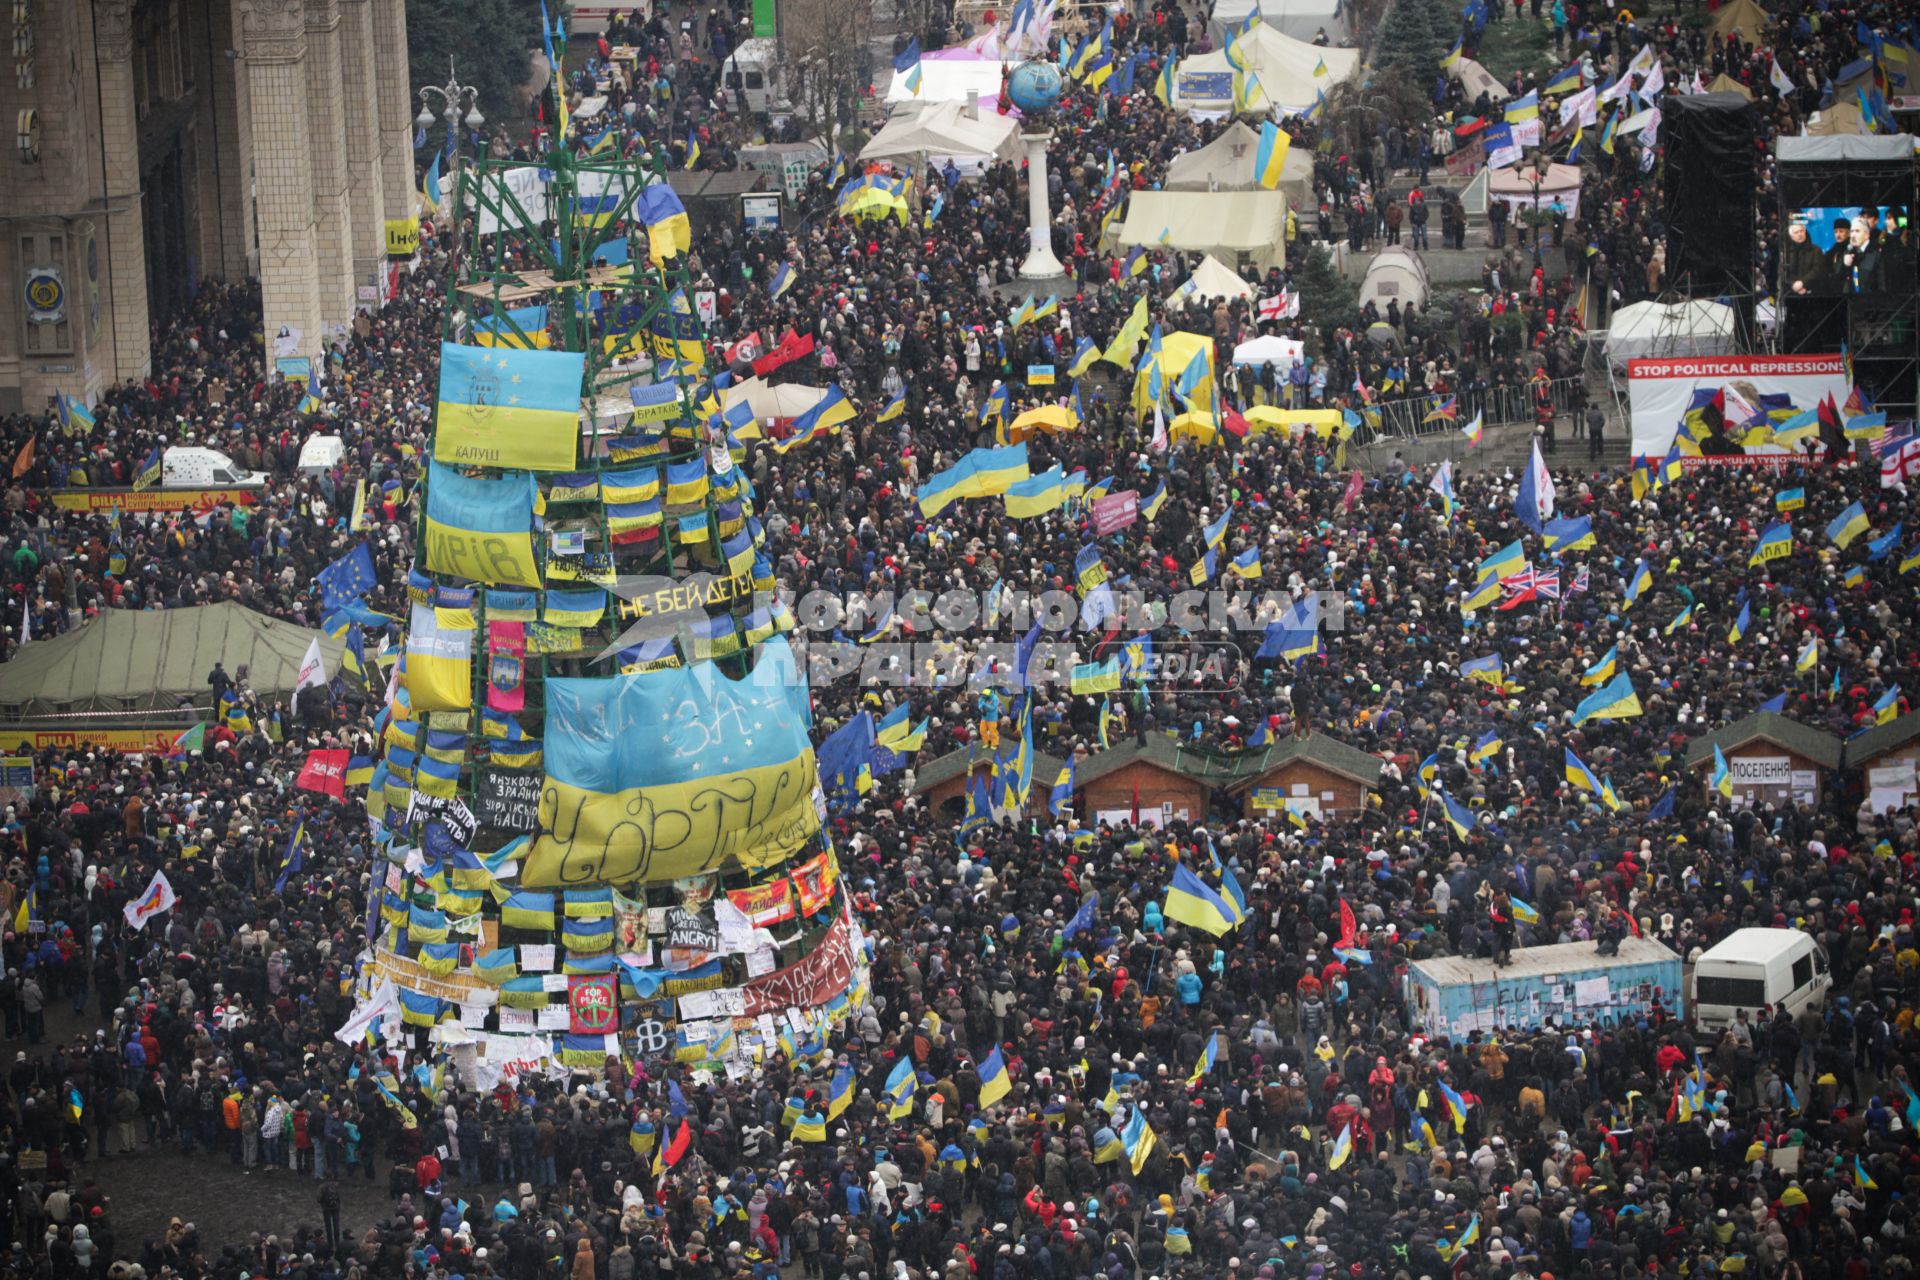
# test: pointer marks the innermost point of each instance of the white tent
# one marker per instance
(1396, 274)
(1516, 187)
(1301, 19)
(1283, 353)
(972, 137)
(1213, 279)
(949, 80)
(788, 400)
(1227, 164)
(1476, 80)
(1648, 329)
(1282, 66)
(1243, 228)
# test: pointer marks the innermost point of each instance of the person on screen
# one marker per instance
(1836, 278)
(1861, 258)
(1802, 266)
(1896, 251)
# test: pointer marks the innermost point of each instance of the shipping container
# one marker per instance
(1570, 984)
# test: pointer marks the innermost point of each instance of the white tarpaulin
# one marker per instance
(971, 137)
(1516, 187)
(1282, 66)
(1660, 391)
(1301, 19)
(1282, 353)
(1241, 228)
(788, 400)
(1825, 150)
(1654, 329)
(949, 80)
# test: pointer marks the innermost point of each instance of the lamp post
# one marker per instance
(460, 104)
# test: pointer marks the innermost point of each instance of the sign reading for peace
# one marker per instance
(592, 1005)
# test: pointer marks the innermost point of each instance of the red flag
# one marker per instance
(1354, 482)
(1235, 423)
(682, 1143)
(1348, 928)
(325, 772)
(792, 347)
(747, 350)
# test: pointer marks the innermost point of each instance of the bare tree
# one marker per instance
(826, 51)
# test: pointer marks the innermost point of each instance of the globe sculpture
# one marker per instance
(1035, 87)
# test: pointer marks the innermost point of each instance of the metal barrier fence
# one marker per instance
(1403, 419)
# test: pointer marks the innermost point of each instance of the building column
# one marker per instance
(394, 108)
(220, 151)
(126, 245)
(326, 150)
(360, 81)
(274, 38)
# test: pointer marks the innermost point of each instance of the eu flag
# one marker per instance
(346, 579)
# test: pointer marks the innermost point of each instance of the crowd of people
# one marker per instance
(211, 1030)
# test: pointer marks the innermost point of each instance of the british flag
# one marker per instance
(1580, 582)
(1547, 584)
(1520, 588)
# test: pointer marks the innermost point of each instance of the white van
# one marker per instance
(321, 454)
(753, 70)
(1751, 967)
(194, 467)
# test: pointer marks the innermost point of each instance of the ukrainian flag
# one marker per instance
(1489, 670)
(1848, 525)
(1503, 563)
(1037, 495)
(524, 327)
(1521, 110)
(1488, 747)
(1342, 1149)
(1061, 797)
(1271, 156)
(1862, 1180)
(439, 664)
(1578, 773)
(1641, 580)
(669, 232)
(894, 408)
(1151, 507)
(1573, 534)
(1740, 623)
(505, 407)
(528, 909)
(1789, 500)
(1467, 1238)
(1191, 902)
(840, 1093)
(1722, 776)
(1085, 353)
(1602, 671)
(482, 528)
(1774, 544)
(1459, 817)
(1809, 655)
(1614, 700)
(811, 1127)
(1208, 1057)
(1524, 912)
(1096, 677)
(1107, 1146)
(994, 1084)
(983, 473)
(1137, 1140)
(359, 771)
(1247, 563)
(1888, 706)
(1456, 1105)
(1680, 620)
(497, 967)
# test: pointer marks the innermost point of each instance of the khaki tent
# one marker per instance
(1241, 228)
(1841, 117)
(1744, 16)
(788, 400)
(1227, 164)
(156, 660)
(1724, 83)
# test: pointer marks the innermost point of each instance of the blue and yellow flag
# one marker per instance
(994, 1084)
(1614, 700)
(481, 528)
(507, 407)
(1191, 902)
(632, 761)
(1848, 525)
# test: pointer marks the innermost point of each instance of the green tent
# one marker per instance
(155, 660)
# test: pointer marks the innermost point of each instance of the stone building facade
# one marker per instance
(159, 143)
